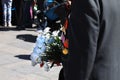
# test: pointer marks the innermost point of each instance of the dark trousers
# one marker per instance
(61, 75)
(27, 19)
(19, 14)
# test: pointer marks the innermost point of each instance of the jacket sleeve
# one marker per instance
(83, 36)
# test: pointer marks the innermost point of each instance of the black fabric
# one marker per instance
(61, 74)
(94, 41)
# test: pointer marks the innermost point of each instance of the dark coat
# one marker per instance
(94, 40)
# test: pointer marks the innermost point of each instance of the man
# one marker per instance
(40, 4)
(24, 17)
(19, 14)
(94, 40)
(27, 15)
(7, 12)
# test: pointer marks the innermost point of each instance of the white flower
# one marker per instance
(55, 33)
(50, 40)
(48, 36)
(46, 30)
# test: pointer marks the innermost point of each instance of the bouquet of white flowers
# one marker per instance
(48, 48)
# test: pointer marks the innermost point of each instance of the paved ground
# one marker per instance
(15, 50)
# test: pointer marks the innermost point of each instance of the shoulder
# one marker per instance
(86, 3)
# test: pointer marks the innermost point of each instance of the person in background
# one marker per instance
(7, 12)
(40, 4)
(94, 40)
(27, 13)
(19, 14)
(23, 14)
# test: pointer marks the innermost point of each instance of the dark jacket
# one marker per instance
(94, 40)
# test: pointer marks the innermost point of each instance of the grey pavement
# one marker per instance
(15, 49)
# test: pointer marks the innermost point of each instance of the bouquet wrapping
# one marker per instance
(47, 49)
